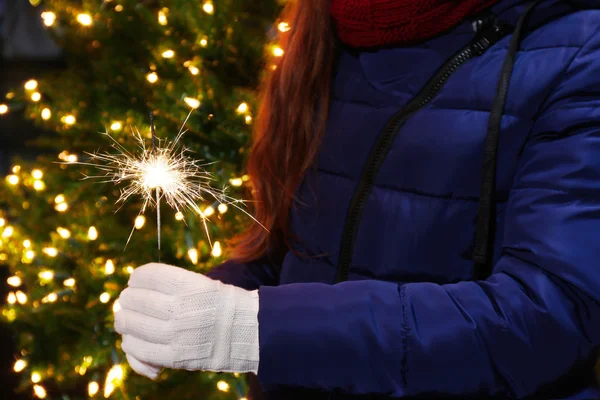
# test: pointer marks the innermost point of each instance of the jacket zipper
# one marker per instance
(487, 36)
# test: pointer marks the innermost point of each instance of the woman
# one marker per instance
(400, 261)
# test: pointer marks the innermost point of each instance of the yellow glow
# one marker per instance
(21, 297)
(35, 3)
(140, 220)
(162, 18)
(16, 169)
(93, 388)
(168, 54)
(116, 126)
(109, 267)
(11, 298)
(39, 391)
(14, 281)
(51, 251)
(31, 84)
(8, 231)
(194, 70)
(3, 109)
(128, 269)
(12, 179)
(49, 17)
(278, 51)
(193, 255)
(152, 77)
(105, 297)
(69, 282)
(84, 19)
(204, 42)
(2, 222)
(216, 250)
(59, 199)
(115, 374)
(222, 208)
(36, 377)
(235, 182)
(242, 108)
(243, 398)
(108, 389)
(46, 275)
(62, 207)
(223, 386)
(64, 233)
(69, 119)
(37, 174)
(10, 95)
(20, 365)
(283, 27)
(158, 173)
(92, 233)
(52, 297)
(46, 114)
(192, 102)
(179, 216)
(208, 7)
(29, 255)
(10, 314)
(116, 306)
(39, 185)
(27, 243)
(248, 119)
(118, 8)
(208, 211)
(36, 96)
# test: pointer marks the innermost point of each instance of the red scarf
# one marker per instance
(370, 23)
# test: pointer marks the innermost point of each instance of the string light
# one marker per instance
(93, 388)
(204, 41)
(69, 119)
(152, 77)
(118, 8)
(223, 386)
(193, 255)
(105, 297)
(64, 233)
(46, 275)
(208, 7)
(49, 17)
(248, 119)
(50, 251)
(29, 256)
(242, 108)
(116, 306)
(162, 17)
(46, 114)
(11, 298)
(192, 102)
(178, 215)
(60, 198)
(31, 84)
(208, 211)
(235, 182)
(140, 220)
(278, 51)
(283, 27)
(62, 207)
(39, 185)
(168, 54)
(222, 208)
(35, 3)
(84, 19)
(36, 377)
(128, 269)
(109, 267)
(21, 297)
(36, 96)
(216, 250)
(20, 365)
(69, 282)
(2, 222)
(193, 70)
(3, 109)
(39, 391)
(116, 126)
(12, 179)
(16, 169)
(37, 174)
(92, 233)
(14, 281)
(8, 231)
(27, 243)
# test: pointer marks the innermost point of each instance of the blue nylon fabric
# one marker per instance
(409, 322)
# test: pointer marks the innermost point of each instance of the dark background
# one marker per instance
(26, 51)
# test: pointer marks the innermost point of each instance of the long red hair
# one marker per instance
(290, 123)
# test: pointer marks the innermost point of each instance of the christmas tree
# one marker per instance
(61, 236)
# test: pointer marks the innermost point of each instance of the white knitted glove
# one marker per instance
(174, 318)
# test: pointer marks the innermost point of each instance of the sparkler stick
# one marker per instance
(153, 131)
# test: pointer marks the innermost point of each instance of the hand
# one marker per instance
(174, 318)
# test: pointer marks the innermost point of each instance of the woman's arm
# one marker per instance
(530, 323)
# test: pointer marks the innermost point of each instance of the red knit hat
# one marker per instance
(369, 23)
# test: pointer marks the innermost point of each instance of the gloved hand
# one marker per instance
(174, 318)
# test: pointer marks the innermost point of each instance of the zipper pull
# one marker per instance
(488, 31)
(483, 21)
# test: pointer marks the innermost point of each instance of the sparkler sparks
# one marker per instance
(163, 171)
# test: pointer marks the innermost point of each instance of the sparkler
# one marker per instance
(163, 171)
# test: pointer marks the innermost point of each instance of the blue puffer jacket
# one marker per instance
(411, 321)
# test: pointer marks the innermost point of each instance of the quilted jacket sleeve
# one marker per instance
(531, 322)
